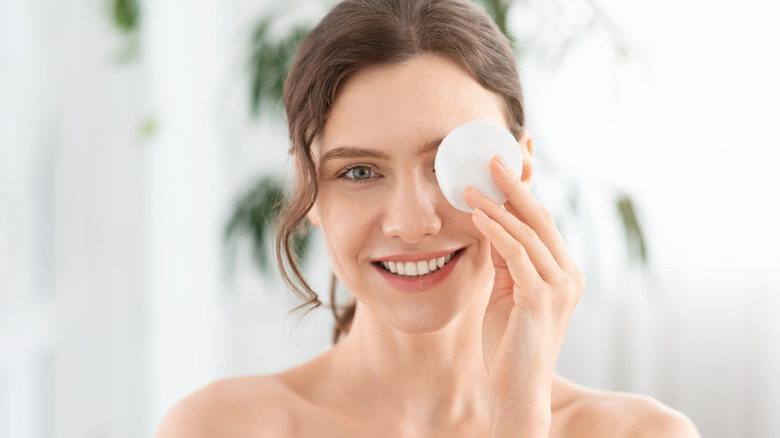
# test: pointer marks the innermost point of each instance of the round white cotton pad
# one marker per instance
(463, 158)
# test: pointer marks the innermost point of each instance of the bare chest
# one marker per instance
(319, 422)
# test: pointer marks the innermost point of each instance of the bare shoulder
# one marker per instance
(616, 414)
(638, 416)
(233, 407)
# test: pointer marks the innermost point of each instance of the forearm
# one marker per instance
(520, 419)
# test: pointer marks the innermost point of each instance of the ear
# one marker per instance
(527, 149)
(313, 217)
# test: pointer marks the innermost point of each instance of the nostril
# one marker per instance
(411, 210)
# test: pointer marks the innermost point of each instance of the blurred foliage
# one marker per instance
(498, 9)
(269, 62)
(255, 215)
(148, 128)
(129, 52)
(126, 15)
(634, 235)
(126, 18)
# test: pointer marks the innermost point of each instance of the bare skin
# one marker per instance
(473, 355)
(279, 406)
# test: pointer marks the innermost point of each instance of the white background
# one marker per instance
(114, 296)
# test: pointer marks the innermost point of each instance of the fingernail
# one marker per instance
(502, 161)
(480, 213)
(474, 190)
(505, 166)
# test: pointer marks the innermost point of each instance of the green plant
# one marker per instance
(126, 17)
(634, 236)
(256, 214)
(269, 60)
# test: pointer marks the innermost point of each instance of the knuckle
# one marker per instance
(525, 233)
(558, 280)
(517, 250)
(545, 216)
(579, 280)
(570, 285)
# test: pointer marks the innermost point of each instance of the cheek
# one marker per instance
(484, 250)
(340, 211)
(346, 223)
(482, 257)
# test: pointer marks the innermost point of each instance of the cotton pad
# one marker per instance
(463, 158)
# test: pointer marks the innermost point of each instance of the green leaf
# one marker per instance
(127, 15)
(255, 214)
(498, 9)
(637, 250)
(269, 61)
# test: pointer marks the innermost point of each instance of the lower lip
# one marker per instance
(419, 284)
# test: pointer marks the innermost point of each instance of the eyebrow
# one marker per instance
(352, 152)
(358, 152)
(431, 146)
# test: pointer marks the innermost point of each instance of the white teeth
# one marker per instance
(415, 269)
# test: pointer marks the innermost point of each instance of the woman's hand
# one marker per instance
(536, 289)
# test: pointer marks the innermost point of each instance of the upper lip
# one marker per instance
(415, 256)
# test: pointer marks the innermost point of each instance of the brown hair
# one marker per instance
(361, 33)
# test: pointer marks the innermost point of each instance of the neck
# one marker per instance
(437, 377)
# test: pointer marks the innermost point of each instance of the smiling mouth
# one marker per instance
(420, 268)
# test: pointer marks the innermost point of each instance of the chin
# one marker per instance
(426, 319)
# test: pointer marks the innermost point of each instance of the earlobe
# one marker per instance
(313, 217)
(527, 148)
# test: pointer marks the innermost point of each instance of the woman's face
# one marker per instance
(379, 200)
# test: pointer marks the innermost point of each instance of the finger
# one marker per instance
(522, 203)
(520, 267)
(545, 264)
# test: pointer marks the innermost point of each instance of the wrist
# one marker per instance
(520, 418)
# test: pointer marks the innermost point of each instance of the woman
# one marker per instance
(465, 345)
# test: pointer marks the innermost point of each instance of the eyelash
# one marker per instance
(343, 173)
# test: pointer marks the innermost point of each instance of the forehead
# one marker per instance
(406, 104)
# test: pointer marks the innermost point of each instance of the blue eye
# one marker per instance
(359, 173)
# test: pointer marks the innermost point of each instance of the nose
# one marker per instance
(410, 211)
